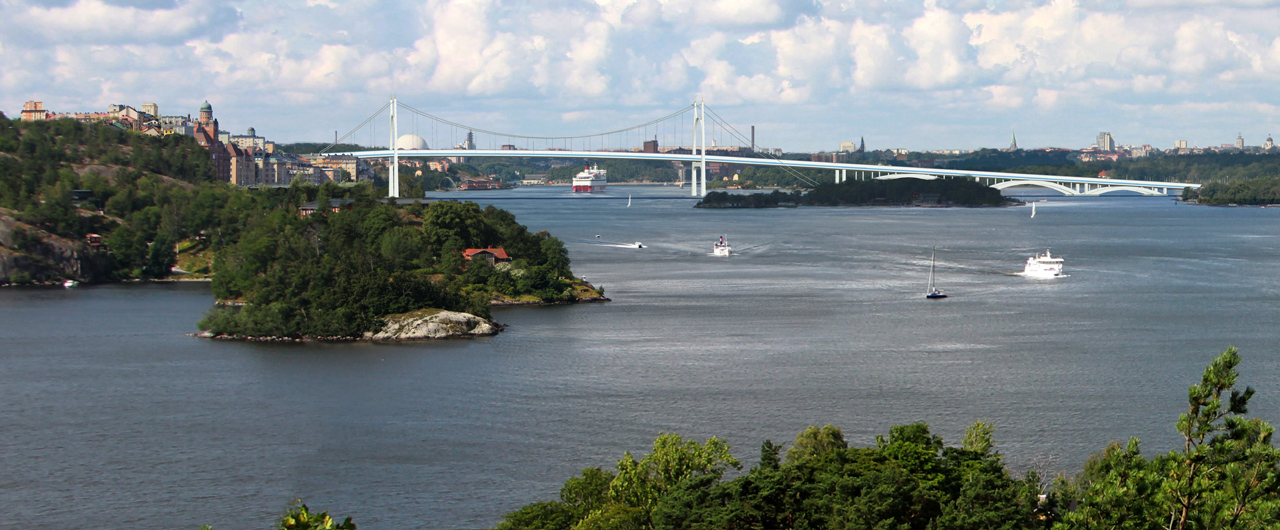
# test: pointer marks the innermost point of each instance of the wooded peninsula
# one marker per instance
(92, 203)
(897, 192)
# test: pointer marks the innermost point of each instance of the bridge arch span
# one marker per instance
(896, 176)
(1145, 191)
(1043, 184)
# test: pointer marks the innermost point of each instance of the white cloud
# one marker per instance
(100, 22)
(940, 40)
(810, 50)
(558, 63)
(721, 13)
(875, 59)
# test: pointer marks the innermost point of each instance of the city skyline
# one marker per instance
(808, 75)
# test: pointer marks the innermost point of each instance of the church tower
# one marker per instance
(1013, 146)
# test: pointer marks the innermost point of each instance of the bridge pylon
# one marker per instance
(393, 171)
(699, 148)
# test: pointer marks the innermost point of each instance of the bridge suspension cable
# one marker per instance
(357, 128)
(724, 124)
(528, 137)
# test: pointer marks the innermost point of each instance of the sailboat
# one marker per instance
(1033, 210)
(934, 292)
(629, 202)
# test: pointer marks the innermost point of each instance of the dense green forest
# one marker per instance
(330, 274)
(336, 274)
(1203, 168)
(960, 192)
(1263, 190)
(1224, 476)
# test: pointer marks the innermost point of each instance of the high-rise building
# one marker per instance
(1106, 142)
(1239, 140)
(1180, 144)
(33, 111)
(152, 109)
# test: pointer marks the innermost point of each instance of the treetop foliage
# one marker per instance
(1225, 477)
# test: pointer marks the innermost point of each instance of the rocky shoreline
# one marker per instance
(425, 324)
(518, 303)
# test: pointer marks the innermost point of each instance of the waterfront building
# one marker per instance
(488, 256)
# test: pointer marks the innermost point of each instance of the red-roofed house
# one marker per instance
(489, 255)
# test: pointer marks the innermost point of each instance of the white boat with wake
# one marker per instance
(1043, 266)
(721, 248)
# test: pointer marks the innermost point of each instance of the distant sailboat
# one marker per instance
(629, 202)
(1033, 210)
(934, 292)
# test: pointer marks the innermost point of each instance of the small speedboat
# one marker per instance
(70, 283)
(637, 245)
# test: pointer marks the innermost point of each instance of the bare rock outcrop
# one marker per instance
(434, 324)
(49, 258)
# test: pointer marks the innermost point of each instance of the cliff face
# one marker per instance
(45, 257)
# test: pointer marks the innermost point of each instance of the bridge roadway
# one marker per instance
(1065, 184)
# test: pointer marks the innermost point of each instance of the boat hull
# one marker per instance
(588, 188)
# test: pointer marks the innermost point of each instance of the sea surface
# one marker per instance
(110, 413)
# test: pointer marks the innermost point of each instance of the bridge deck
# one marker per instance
(769, 162)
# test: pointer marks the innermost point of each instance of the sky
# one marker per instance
(808, 74)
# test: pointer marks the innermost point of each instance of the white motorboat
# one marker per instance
(721, 248)
(637, 245)
(1043, 266)
(70, 283)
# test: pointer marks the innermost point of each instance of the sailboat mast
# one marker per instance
(932, 260)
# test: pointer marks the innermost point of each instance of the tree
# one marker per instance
(299, 517)
(1225, 475)
(161, 257)
(814, 441)
(641, 484)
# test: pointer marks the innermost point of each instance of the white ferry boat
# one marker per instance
(1043, 266)
(590, 180)
(721, 248)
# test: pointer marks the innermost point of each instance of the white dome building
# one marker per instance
(410, 142)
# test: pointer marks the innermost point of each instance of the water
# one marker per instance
(111, 413)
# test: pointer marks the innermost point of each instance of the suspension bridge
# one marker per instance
(671, 132)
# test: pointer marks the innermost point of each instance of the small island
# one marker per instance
(897, 192)
(367, 270)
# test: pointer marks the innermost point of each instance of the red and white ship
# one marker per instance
(589, 180)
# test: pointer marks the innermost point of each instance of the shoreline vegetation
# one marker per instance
(897, 192)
